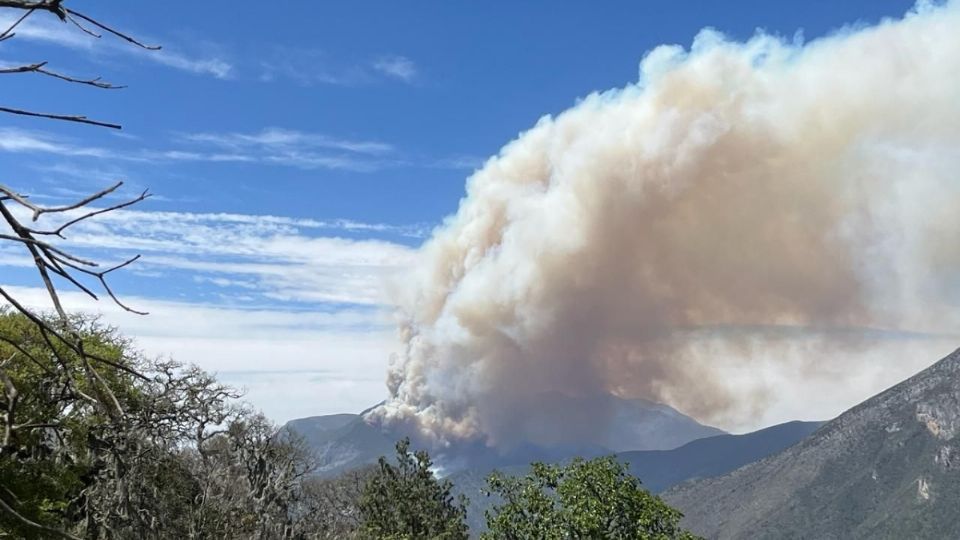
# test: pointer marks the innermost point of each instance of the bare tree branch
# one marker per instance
(59, 230)
(106, 28)
(39, 211)
(66, 15)
(83, 28)
(32, 524)
(8, 33)
(39, 68)
(53, 6)
(65, 117)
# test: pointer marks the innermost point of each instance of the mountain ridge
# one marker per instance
(345, 441)
(888, 467)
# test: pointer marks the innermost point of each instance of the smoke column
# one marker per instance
(744, 206)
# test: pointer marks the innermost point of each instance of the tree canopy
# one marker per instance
(585, 499)
(405, 501)
(185, 460)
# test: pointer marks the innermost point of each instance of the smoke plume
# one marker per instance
(745, 208)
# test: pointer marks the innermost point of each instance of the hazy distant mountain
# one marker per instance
(342, 441)
(345, 441)
(661, 469)
(639, 424)
(887, 468)
(712, 456)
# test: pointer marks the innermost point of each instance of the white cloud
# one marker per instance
(293, 363)
(217, 67)
(19, 140)
(281, 259)
(273, 146)
(44, 28)
(308, 67)
(298, 318)
(398, 67)
(312, 66)
(297, 148)
(279, 139)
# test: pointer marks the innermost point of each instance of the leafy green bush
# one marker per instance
(407, 502)
(585, 499)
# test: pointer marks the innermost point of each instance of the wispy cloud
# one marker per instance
(266, 258)
(316, 67)
(311, 67)
(270, 146)
(43, 28)
(287, 291)
(298, 149)
(282, 139)
(397, 67)
(292, 363)
(19, 140)
(217, 67)
(458, 162)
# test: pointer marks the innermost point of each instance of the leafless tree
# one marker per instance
(163, 450)
(186, 460)
(80, 373)
(331, 506)
(39, 241)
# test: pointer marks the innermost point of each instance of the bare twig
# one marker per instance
(106, 28)
(74, 380)
(39, 68)
(12, 395)
(53, 6)
(65, 117)
(67, 15)
(83, 28)
(59, 230)
(39, 211)
(47, 329)
(8, 33)
(32, 524)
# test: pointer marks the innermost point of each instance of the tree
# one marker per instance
(38, 241)
(57, 373)
(407, 502)
(185, 460)
(53, 428)
(253, 478)
(98, 441)
(21, 214)
(67, 466)
(585, 499)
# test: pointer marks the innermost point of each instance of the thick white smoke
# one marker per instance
(742, 208)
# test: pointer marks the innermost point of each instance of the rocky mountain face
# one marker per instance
(887, 468)
(346, 441)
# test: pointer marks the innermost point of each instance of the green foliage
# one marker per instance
(179, 460)
(43, 482)
(585, 499)
(407, 502)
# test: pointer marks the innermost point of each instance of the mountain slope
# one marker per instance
(659, 469)
(346, 441)
(639, 424)
(342, 442)
(712, 456)
(887, 468)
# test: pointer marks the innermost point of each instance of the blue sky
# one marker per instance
(300, 155)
